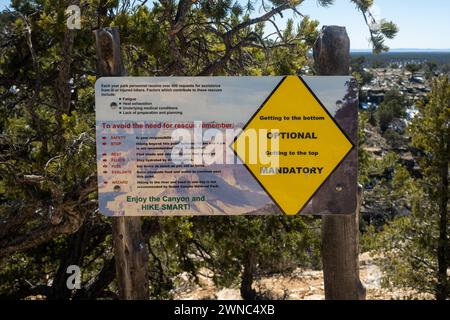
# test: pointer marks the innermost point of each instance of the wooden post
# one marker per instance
(340, 233)
(130, 249)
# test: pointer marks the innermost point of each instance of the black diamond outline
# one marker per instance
(331, 117)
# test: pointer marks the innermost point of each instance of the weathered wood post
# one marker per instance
(340, 233)
(130, 249)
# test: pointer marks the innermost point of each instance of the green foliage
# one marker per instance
(395, 139)
(413, 67)
(379, 30)
(414, 249)
(393, 107)
(290, 59)
(379, 64)
(358, 71)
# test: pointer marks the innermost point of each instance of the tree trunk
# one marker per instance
(130, 249)
(73, 256)
(340, 233)
(131, 257)
(247, 292)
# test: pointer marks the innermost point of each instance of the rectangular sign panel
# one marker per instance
(169, 146)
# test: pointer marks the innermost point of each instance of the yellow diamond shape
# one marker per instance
(313, 142)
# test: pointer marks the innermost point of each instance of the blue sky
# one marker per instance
(424, 24)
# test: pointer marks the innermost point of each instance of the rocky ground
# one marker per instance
(300, 285)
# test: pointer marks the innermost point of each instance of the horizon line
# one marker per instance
(404, 49)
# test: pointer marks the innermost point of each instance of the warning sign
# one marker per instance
(171, 146)
(310, 145)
